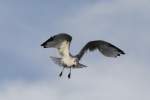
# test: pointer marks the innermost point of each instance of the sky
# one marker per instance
(27, 72)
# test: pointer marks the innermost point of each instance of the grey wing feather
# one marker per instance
(56, 40)
(107, 49)
(60, 41)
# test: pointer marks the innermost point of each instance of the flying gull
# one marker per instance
(62, 42)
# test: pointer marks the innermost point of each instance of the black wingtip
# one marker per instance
(43, 45)
(123, 53)
(50, 39)
(118, 55)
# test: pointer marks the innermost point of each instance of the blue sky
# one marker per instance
(26, 71)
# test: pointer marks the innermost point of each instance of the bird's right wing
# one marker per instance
(107, 49)
(60, 41)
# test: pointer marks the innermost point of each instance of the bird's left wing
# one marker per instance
(60, 41)
(107, 49)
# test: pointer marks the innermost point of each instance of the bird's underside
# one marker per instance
(62, 42)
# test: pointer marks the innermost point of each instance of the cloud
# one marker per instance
(113, 80)
(24, 91)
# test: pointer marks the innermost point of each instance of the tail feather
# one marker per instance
(80, 66)
(56, 60)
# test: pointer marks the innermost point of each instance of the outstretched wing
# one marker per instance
(107, 49)
(60, 41)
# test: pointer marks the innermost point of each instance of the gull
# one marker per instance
(62, 42)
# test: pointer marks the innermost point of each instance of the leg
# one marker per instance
(69, 75)
(61, 72)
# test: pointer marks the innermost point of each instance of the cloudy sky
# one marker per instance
(27, 73)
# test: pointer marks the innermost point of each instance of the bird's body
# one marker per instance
(62, 42)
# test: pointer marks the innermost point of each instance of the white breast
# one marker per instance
(69, 61)
(64, 48)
